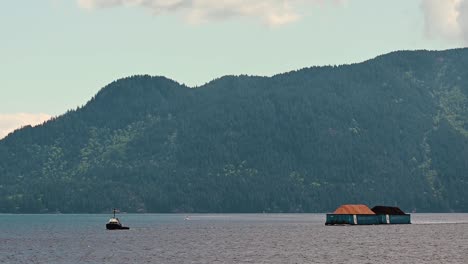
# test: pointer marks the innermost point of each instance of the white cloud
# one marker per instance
(446, 19)
(271, 12)
(463, 19)
(10, 122)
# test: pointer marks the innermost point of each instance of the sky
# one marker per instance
(56, 54)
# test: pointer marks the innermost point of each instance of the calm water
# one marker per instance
(238, 238)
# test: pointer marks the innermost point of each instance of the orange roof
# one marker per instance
(354, 209)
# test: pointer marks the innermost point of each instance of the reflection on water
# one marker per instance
(230, 238)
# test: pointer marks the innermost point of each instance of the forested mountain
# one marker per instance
(392, 130)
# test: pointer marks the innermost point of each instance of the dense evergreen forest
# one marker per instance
(392, 130)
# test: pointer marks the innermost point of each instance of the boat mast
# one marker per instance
(114, 212)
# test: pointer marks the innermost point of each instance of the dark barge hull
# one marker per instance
(116, 227)
(349, 219)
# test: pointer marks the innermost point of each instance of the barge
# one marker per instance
(360, 214)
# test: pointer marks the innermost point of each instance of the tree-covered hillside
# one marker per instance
(392, 130)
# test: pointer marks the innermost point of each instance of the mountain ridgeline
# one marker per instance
(392, 130)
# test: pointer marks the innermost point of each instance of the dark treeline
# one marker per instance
(392, 130)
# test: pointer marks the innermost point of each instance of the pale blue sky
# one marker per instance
(55, 55)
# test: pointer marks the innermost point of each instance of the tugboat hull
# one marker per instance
(116, 227)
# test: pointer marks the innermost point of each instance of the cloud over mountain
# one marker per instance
(10, 122)
(446, 19)
(271, 12)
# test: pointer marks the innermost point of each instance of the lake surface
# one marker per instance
(230, 238)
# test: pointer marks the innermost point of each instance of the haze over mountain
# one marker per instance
(392, 130)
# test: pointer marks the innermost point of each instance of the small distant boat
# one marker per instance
(114, 224)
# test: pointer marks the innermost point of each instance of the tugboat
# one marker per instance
(114, 224)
